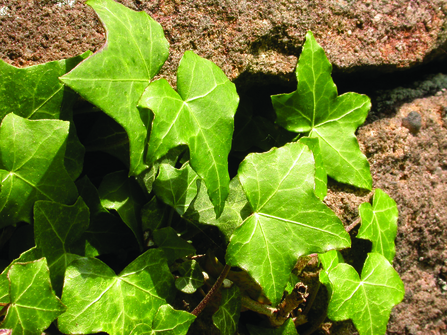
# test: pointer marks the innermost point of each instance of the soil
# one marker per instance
(411, 166)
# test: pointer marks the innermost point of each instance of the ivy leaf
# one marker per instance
(367, 301)
(167, 321)
(184, 118)
(172, 245)
(115, 76)
(226, 318)
(379, 224)
(236, 209)
(124, 195)
(329, 260)
(320, 172)
(99, 300)
(176, 187)
(33, 303)
(35, 92)
(57, 231)
(32, 166)
(288, 328)
(315, 108)
(288, 220)
(191, 277)
(106, 233)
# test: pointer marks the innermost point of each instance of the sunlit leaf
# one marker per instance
(368, 300)
(57, 232)
(32, 166)
(226, 318)
(329, 260)
(320, 172)
(379, 224)
(35, 92)
(316, 109)
(116, 75)
(167, 321)
(288, 220)
(187, 118)
(99, 300)
(33, 303)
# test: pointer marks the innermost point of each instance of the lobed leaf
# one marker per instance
(379, 224)
(99, 300)
(226, 318)
(367, 301)
(320, 172)
(35, 92)
(115, 76)
(176, 187)
(167, 321)
(57, 231)
(33, 303)
(288, 220)
(316, 109)
(200, 115)
(32, 166)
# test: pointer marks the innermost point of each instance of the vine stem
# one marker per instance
(212, 291)
(352, 225)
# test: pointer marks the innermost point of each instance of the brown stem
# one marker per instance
(212, 291)
(352, 225)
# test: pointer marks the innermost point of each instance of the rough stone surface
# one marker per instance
(240, 35)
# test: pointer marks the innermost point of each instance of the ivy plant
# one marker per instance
(128, 206)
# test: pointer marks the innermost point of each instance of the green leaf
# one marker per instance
(106, 233)
(236, 209)
(32, 166)
(201, 116)
(288, 328)
(124, 195)
(288, 220)
(226, 318)
(320, 172)
(35, 92)
(172, 245)
(367, 301)
(99, 300)
(167, 321)
(57, 231)
(315, 108)
(329, 260)
(33, 303)
(176, 187)
(115, 76)
(191, 277)
(379, 224)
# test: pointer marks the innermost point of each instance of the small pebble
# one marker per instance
(412, 122)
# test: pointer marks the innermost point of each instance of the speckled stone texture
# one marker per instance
(240, 35)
